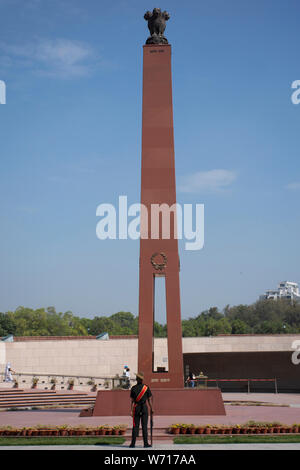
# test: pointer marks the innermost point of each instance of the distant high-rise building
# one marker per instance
(286, 290)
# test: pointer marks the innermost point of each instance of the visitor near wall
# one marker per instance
(8, 373)
(127, 375)
(191, 380)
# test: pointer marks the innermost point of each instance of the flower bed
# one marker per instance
(251, 427)
(64, 430)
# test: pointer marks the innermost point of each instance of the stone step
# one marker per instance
(54, 399)
(41, 400)
(59, 404)
(22, 398)
(50, 403)
(11, 389)
(18, 391)
(35, 396)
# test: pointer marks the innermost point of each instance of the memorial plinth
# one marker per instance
(171, 402)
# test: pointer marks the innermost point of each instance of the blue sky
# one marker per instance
(70, 139)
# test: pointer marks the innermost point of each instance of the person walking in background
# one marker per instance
(126, 377)
(140, 395)
(8, 373)
(127, 374)
(191, 380)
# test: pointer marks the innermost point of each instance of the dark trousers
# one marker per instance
(140, 415)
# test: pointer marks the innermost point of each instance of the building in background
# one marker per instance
(286, 290)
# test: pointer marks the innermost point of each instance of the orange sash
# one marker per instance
(138, 398)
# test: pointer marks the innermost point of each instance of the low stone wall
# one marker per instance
(240, 343)
(106, 358)
(81, 357)
(2, 354)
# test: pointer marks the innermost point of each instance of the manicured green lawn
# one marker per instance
(94, 440)
(44, 441)
(289, 438)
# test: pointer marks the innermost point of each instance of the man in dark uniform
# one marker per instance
(140, 394)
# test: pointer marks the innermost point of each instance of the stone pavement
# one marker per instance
(271, 398)
(235, 414)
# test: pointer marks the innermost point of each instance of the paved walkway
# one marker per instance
(235, 414)
(271, 398)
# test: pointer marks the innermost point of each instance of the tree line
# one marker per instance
(261, 317)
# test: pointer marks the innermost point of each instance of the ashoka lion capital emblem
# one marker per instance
(157, 25)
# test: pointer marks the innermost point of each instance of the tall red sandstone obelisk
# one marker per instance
(159, 256)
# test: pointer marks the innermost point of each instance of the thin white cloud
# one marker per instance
(295, 186)
(59, 58)
(58, 179)
(28, 210)
(207, 181)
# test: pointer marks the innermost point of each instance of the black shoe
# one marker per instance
(132, 445)
(147, 445)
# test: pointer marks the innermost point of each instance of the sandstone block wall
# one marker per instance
(91, 357)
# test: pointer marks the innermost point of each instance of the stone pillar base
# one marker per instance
(171, 402)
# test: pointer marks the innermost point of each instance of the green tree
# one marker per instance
(123, 319)
(188, 328)
(159, 331)
(239, 327)
(7, 325)
(217, 327)
(101, 325)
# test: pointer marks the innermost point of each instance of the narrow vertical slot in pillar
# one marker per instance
(160, 334)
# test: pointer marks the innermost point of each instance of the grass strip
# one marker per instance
(49, 441)
(270, 439)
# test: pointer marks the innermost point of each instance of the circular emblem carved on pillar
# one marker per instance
(159, 261)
